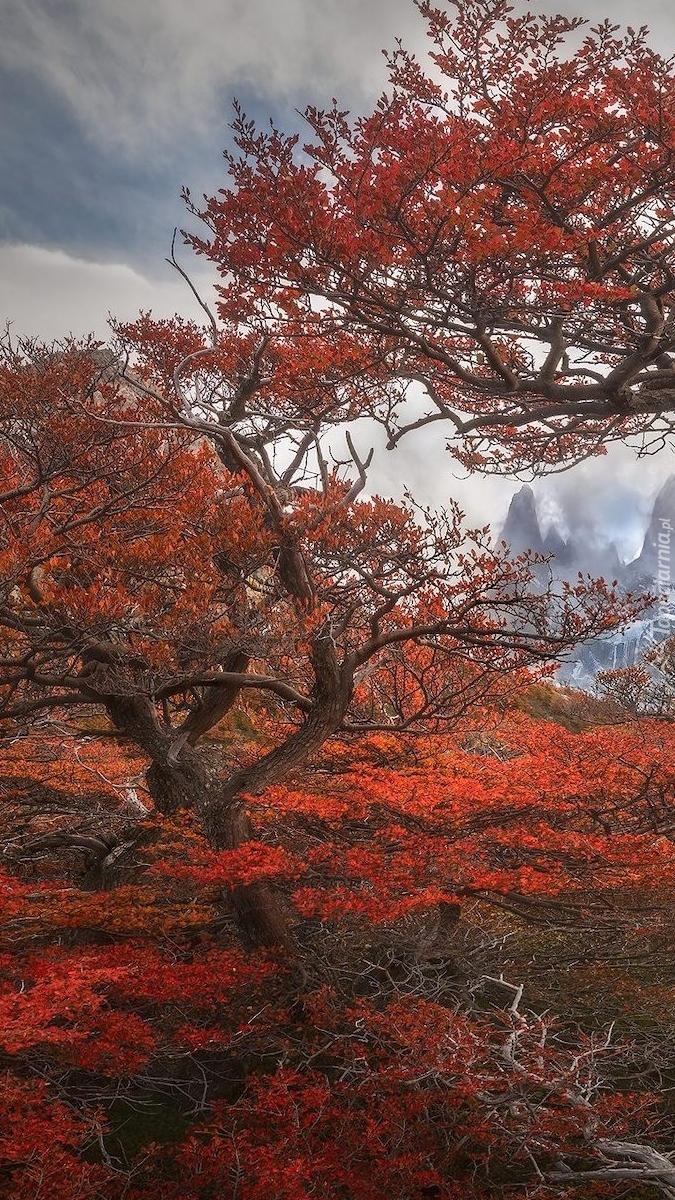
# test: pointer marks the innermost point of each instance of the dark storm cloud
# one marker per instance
(135, 71)
(59, 188)
(108, 109)
(55, 188)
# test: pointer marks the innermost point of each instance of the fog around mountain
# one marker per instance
(526, 528)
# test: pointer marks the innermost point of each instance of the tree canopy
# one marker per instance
(490, 249)
(179, 529)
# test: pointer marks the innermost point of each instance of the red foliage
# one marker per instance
(430, 1094)
(40, 1140)
(176, 545)
(499, 232)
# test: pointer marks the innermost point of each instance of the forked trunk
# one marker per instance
(226, 823)
(186, 782)
(258, 906)
(259, 913)
(182, 785)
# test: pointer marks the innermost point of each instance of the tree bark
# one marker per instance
(259, 912)
(332, 695)
(184, 779)
(217, 701)
(222, 812)
(184, 784)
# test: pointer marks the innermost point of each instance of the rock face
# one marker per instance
(653, 563)
(521, 529)
(652, 571)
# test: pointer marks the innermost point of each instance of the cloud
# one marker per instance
(47, 293)
(656, 14)
(140, 75)
(111, 106)
(605, 500)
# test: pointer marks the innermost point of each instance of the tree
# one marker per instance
(159, 565)
(178, 539)
(438, 243)
(491, 249)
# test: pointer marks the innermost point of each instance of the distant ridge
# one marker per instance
(653, 570)
(522, 531)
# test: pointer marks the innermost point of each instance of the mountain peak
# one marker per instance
(659, 532)
(665, 500)
(521, 530)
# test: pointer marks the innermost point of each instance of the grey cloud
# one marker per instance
(47, 294)
(139, 75)
(144, 82)
(604, 500)
(656, 14)
(135, 74)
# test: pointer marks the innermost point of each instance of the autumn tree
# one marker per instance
(490, 250)
(179, 532)
(159, 564)
(184, 533)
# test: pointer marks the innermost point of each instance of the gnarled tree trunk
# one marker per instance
(181, 777)
(222, 811)
(259, 913)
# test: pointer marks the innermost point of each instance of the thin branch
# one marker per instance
(173, 262)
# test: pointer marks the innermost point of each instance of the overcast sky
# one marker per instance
(110, 106)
